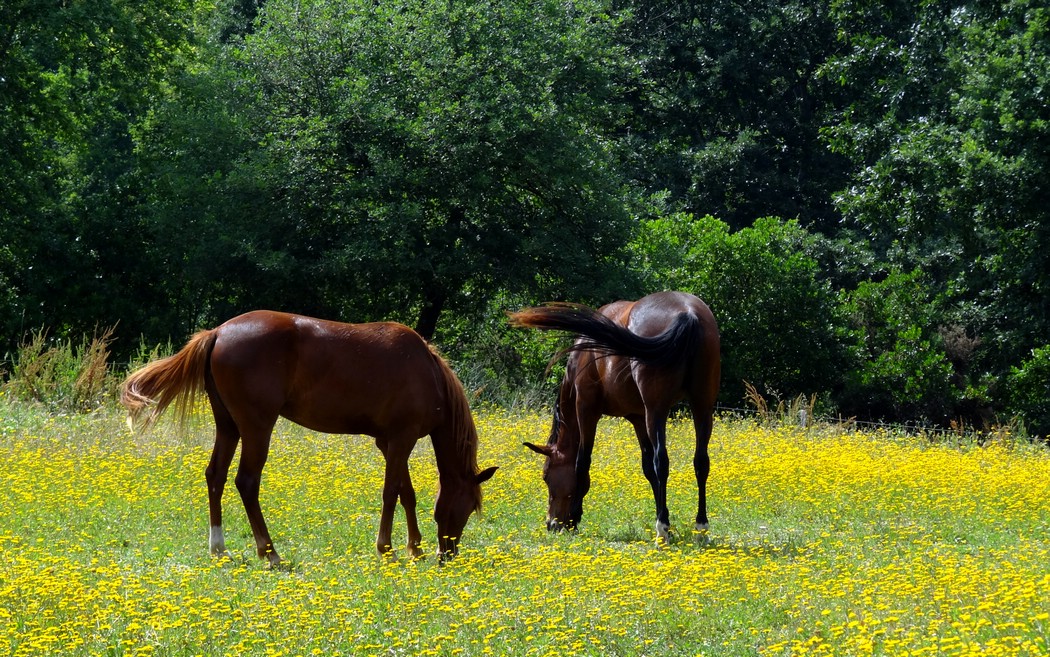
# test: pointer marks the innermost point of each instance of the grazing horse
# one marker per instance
(378, 379)
(635, 360)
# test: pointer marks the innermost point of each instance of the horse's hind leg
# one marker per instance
(226, 437)
(652, 439)
(646, 445)
(658, 393)
(255, 447)
(216, 475)
(703, 422)
(656, 425)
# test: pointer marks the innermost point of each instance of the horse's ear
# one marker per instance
(545, 449)
(485, 474)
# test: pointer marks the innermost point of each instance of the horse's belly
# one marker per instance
(350, 417)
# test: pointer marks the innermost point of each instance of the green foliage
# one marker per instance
(948, 126)
(777, 314)
(74, 79)
(1029, 391)
(728, 108)
(166, 165)
(903, 370)
(501, 365)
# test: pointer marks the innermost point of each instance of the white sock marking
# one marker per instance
(216, 540)
(663, 532)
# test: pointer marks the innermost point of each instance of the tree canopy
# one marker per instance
(858, 188)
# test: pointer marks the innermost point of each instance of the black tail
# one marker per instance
(600, 334)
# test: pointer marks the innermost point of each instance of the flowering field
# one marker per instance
(822, 542)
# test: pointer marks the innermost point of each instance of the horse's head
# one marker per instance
(559, 469)
(559, 473)
(455, 502)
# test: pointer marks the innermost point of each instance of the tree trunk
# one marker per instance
(433, 304)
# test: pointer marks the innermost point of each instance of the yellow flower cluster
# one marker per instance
(823, 542)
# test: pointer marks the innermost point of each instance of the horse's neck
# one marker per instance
(455, 446)
(568, 434)
(455, 438)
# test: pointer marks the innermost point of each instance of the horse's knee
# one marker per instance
(390, 495)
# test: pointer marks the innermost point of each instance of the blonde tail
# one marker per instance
(176, 379)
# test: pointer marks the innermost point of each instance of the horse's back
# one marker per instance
(378, 378)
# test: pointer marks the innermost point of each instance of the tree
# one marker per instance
(1027, 387)
(399, 159)
(729, 106)
(901, 367)
(74, 79)
(949, 129)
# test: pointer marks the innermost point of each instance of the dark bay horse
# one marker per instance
(380, 379)
(635, 360)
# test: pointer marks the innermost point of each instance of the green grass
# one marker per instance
(822, 542)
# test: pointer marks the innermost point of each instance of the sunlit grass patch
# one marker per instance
(822, 542)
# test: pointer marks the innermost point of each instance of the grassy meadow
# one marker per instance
(823, 541)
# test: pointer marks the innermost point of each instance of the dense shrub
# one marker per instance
(902, 368)
(63, 376)
(1029, 391)
(497, 363)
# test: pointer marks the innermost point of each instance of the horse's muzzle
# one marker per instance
(555, 525)
(447, 549)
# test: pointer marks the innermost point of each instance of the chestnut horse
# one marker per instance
(378, 379)
(635, 360)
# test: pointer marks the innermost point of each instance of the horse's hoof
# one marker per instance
(386, 553)
(663, 534)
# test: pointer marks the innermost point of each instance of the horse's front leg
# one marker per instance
(408, 502)
(386, 516)
(588, 424)
(393, 484)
